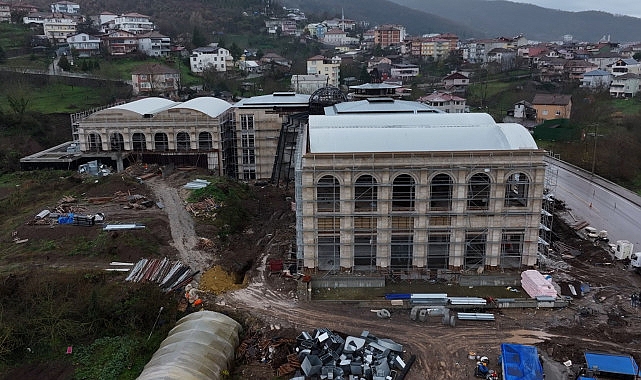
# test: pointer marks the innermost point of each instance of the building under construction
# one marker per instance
(386, 186)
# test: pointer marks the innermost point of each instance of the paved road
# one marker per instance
(598, 201)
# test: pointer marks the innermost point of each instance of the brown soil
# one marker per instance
(269, 304)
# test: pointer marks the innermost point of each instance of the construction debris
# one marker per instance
(205, 208)
(197, 184)
(169, 275)
(329, 356)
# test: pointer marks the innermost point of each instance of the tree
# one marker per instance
(235, 51)
(3, 55)
(197, 38)
(64, 64)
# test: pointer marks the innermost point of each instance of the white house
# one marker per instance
(65, 7)
(596, 79)
(625, 66)
(445, 102)
(404, 71)
(336, 37)
(57, 29)
(210, 56)
(84, 44)
(134, 23)
(154, 44)
(625, 86)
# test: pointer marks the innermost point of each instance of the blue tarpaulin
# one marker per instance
(612, 363)
(520, 362)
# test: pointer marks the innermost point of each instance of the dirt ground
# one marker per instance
(269, 305)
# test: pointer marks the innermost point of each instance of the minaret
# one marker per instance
(343, 19)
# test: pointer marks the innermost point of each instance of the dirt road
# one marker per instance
(181, 224)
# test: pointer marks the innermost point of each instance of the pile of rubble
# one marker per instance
(206, 208)
(326, 354)
(131, 201)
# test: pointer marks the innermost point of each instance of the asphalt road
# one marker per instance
(597, 201)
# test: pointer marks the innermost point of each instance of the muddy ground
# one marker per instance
(270, 307)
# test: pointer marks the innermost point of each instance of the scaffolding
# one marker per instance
(413, 215)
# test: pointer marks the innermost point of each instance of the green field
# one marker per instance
(627, 106)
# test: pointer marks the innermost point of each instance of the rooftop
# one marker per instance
(275, 99)
(417, 132)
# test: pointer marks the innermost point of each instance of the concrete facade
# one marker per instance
(156, 125)
(413, 211)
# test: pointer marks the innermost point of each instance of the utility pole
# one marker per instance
(596, 129)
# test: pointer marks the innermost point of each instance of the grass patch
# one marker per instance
(627, 106)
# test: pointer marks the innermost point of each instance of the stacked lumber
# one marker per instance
(535, 285)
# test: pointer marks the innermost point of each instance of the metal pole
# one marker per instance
(152, 327)
(596, 128)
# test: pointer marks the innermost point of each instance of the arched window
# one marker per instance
(441, 193)
(94, 142)
(328, 194)
(117, 142)
(365, 194)
(139, 142)
(403, 193)
(182, 142)
(516, 190)
(478, 192)
(205, 141)
(161, 142)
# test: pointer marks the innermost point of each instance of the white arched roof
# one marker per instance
(146, 106)
(200, 346)
(208, 105)
(414, 133)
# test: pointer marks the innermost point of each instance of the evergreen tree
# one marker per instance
(64, 64)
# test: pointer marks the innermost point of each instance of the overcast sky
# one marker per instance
(621, 7)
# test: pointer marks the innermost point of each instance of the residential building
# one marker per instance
(84, 45)
(393, 189)
(375, 90)
(596, 80)
(340, 23)
(576, 68)
(35, 18)
(282, 27)
(65, 7)
(154, 44)
(337, 37)
(603, 60)
(435, 47)
(5, 12)
(445, 102)
(456, 82)
(625, 66)
(58, 28)
(404, 71)
(120, 42)
(625, 86)
(523, 110)
(386, 35)
(504, 58)
(329, 67)
(476, 51)
(316, 30)
(259, 122)
(269, 58)
(154, 79)
(157, 130)
(552, 106)
(307, 84)
(249, 67)
(133, 23)
(209, 57)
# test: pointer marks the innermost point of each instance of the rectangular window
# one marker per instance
(329, 253)
(247, 122)
(249, 174)
(512, 248)
(401, 252)
(438, 250)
